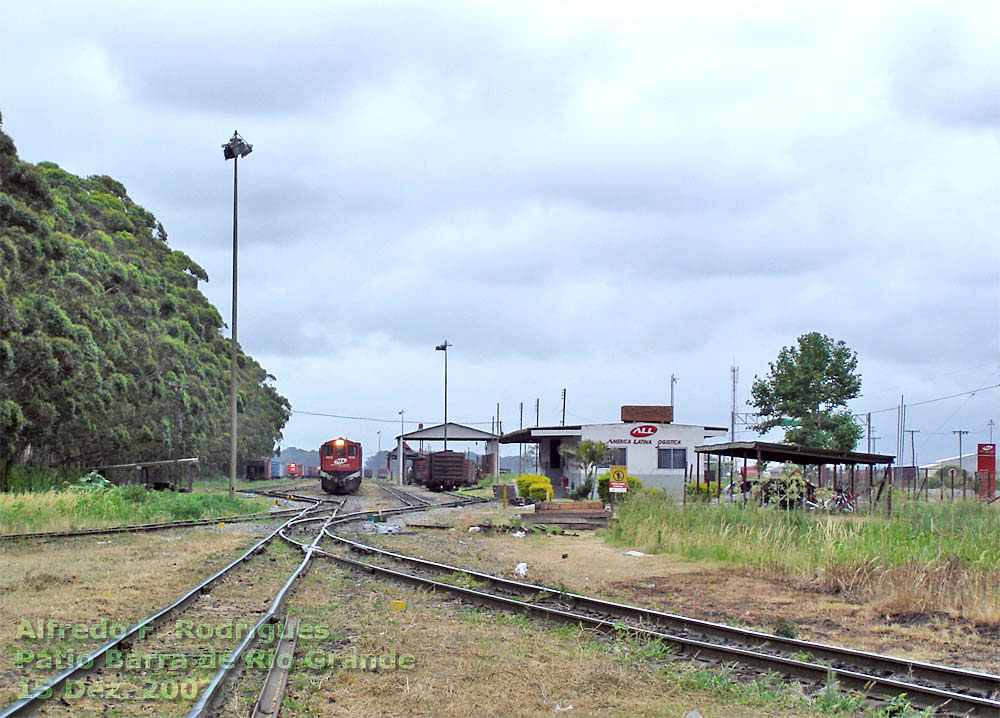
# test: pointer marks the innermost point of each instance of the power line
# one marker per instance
(370, 418)
(925, 380)
(969, 393)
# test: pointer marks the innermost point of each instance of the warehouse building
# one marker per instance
(653, 448)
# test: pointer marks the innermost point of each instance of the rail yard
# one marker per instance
(275, 619)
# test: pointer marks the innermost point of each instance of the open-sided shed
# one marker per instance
(762, 451)
(452, 432)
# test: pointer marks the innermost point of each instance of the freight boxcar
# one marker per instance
(258, 470)
(447, 470)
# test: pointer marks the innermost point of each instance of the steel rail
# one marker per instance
(408, 499)
(137, 632)
(985, 684)
(32, 701)
(278, 494)
(135, 528)
(921, 695)
(269, 702)
(212, 696)
(129, 528)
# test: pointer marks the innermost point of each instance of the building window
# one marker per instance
(671, 458)
(616, 457)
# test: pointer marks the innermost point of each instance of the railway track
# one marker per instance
(211, 698)
(951, 690)
(407, 498)
(39, 698)
(166, 525)
(163, 526)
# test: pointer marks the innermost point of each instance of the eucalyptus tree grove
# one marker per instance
(109, 351)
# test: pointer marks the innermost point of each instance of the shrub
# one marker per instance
(92, 482)
(582, 492)
(604, 481)
(534, 486)
(701, 491)
(786, 628)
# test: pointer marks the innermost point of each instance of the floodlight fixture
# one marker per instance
(236, 147)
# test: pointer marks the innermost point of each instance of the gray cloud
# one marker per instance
(591, 198)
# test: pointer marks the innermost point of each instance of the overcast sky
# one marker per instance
(581, 195)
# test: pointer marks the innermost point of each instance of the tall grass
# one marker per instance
(38, 478)
(927, 557)
(68, 509)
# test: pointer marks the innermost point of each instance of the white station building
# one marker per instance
(646, 441)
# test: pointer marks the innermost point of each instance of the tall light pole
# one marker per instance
(234, 149)
(379, 432)
(443, 347)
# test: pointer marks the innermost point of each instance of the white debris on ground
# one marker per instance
(519, 534)
(474, 529)
(635, 553)
(560, 707)
(521, 569)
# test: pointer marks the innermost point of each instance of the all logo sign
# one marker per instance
(644, 430)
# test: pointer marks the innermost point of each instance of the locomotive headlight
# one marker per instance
(339, 442)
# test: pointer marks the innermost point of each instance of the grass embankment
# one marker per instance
(926, 558)
(71, 509)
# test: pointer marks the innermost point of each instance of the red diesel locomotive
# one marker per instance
(340, 466)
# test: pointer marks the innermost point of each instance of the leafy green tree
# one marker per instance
(812, 383)
(109, 351)
(588, 455)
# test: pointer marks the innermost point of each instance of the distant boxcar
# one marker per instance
(258, 469)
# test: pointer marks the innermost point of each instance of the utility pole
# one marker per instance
(400, 446)
(499, 433)
(990, 424)
(379, 432)
(869, 431)
(564, 408)
(734, 374)
(673, 380)
(901, 428)
(913, 451)
(960, 432)
(520, 447)
(537, 419)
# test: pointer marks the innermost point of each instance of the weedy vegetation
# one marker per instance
(91, 505)
(925, 558)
